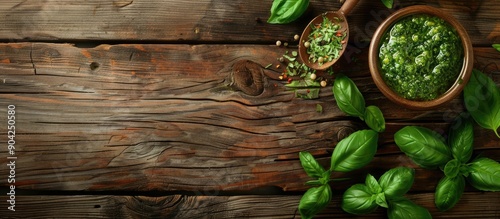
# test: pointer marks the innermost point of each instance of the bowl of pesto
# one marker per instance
(420, 57)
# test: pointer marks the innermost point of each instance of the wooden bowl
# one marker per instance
(458, 85)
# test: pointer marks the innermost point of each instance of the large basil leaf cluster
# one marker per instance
(351, 153)
(388, 192)
(428, 149)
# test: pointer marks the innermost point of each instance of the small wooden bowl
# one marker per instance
(460, 82)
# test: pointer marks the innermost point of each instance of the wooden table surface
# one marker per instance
(124, 109)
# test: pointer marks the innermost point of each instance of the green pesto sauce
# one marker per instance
(421, 57)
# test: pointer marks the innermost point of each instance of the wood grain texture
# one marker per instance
(208, 20)
(472, 205)
(162, 118)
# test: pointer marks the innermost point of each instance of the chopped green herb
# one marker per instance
(319, 108)
(325, 41)
(269, 65)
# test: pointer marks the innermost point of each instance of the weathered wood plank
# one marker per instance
(208, 20)
(162, 117)
(471, 205)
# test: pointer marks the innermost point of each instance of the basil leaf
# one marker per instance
(452, 168)
(397, 181)
(424, 146)
(482, 100)
(357, 199)
(388, 3)
(485, 174)
(461, 139)
(372, 184)
(348, 97)
(448, 192)
(380, 200)
(406, 209)
(355, 151)
(374, 118)
(286, 11)
(314, 200)
(496, 46)
(310, 165)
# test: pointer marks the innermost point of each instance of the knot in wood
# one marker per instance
(247, 76)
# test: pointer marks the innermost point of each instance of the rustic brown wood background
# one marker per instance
(124, 109)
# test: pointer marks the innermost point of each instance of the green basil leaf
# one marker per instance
(374, 118)
(381, 201)
(357, 199)
(424, 146)
(372, 184)
(496, 46)
(485, 174)
(452, 168)
(397, 181)
(286, 11)
(388, 3)
(406, 209)
(482, 100)
(310, 165)
(461, 138)
(355, 151)
(448, 192)
(314, 200)
(348, 97)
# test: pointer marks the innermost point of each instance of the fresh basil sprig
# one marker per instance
(428, 149)
(388, 192)
(350, 101)
(482, 100)
(351, 153)
(286, 11)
